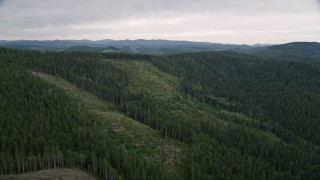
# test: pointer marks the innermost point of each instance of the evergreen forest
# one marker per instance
(200, 115)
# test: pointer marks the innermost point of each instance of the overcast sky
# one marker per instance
(224, 21)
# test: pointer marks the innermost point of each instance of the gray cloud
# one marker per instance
(71, 10)
(98, 19)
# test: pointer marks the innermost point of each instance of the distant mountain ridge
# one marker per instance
(129, 46)
(165, 47)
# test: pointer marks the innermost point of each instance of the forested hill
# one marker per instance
(214, 115)
(290, 49)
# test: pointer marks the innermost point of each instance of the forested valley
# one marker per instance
(205, 115)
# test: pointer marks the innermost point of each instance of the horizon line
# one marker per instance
(95, 40)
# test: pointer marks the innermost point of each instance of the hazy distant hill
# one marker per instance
(292, 49)
(91, 49)
(130, 46)
(44, 45)
(165, 47)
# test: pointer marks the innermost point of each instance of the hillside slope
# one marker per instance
(290, 49)
(135, 136)
(219, 115)
(67, 127)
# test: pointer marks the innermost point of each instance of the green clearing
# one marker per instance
(136, 136)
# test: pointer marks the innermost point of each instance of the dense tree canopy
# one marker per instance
(241, 117)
